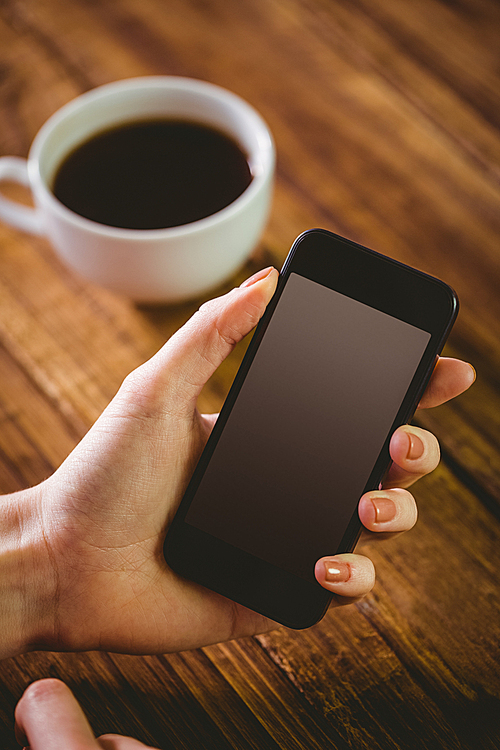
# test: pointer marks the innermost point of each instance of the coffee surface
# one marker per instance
(152, 174)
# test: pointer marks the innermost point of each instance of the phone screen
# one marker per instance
(308, 425)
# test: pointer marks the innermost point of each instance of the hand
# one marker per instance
(48, 716)
(95, 576)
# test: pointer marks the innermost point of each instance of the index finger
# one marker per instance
(450, 378)
(49, 716)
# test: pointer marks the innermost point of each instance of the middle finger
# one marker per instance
(384, 512)
(414, 452)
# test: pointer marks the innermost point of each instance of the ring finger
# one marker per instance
(348, 576)
(386, 512)
(414, 452)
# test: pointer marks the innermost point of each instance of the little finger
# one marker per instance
(414, 452)
(348, 576)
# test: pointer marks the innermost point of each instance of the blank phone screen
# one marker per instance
(308, 425)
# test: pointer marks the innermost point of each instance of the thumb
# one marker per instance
(178, 372)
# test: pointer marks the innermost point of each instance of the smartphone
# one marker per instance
(339, 360)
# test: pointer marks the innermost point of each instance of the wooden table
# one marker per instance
(386, 117)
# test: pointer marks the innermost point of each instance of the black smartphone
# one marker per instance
(339, 360)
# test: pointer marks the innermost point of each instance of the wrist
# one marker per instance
(27, 581)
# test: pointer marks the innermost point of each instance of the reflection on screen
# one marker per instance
(307, 427)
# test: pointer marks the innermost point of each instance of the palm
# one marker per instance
(117, 590)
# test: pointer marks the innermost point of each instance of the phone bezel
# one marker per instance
(375, 280)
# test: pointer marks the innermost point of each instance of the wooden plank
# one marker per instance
(34, 439)
(386, 132)
(467, 61)
(152, 711)
(239, 725)
(429, 646)
(27, 68)
(68, 360)
(403, 156)
(428, 195)
(78, 342)
(181, 700)
(219, 386)
(408, 51)
(468, 429)
(288, 718)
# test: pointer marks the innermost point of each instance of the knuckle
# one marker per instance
(211, 313)
(227, 334)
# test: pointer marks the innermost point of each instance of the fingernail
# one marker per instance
(336, 571)
(385, 509)
(473, 371)
(416, 447)
(262, 274)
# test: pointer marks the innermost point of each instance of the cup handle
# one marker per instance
(21, 217)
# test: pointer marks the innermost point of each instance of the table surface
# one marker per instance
(386, 117)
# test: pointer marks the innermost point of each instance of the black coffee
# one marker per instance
(152, 174)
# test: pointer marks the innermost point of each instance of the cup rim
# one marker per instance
(180, 83)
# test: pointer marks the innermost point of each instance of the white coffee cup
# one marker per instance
(147, 265)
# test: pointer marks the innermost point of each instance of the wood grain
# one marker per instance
(386, 121)
(421, 631)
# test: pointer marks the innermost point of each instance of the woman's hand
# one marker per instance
(92, 534)
(48, 717)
